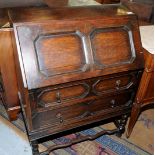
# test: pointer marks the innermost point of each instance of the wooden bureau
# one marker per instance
(75, 66)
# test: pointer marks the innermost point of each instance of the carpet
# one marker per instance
(105, 145)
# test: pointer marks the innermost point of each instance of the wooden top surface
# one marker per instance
(40, 14)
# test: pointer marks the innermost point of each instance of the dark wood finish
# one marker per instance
(75, 66)
(81, 109)
(77, 35)
(143, 9)
(145, 93)
(33, 15)
(8, 74)
(61, 94)
(108, 1)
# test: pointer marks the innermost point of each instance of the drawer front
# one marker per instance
(82, 110)
(58, 52)
(115, 83)
(62, 95)
(54, 96)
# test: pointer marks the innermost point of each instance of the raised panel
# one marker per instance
(112, 46)
(116, 83)
(52, 53)
(60, 53)
(55, 96)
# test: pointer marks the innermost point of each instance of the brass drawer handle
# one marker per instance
(58, 97)
(118, 83)
(113, 103)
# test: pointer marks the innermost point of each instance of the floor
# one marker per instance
(142, 136)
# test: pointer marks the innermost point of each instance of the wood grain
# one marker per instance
(75, 66)
(145, 93)
(8, 73)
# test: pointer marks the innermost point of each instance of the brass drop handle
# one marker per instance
(113, 102)
(58, 97)
(59, 116)
(118, 83)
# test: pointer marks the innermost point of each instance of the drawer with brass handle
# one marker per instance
(81, 110)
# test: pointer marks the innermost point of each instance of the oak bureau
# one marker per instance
(75, 66)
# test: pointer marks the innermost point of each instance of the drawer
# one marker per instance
(81, 111)
(114, 83)
(65, 93)
(61, 94)
(71, 92)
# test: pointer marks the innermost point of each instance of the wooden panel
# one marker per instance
(115, 83)
(63, 94)
(55, 96)
(40, 14)
(112, 46)
(52, 53)
(60, 53)
(8, 73)
(56, 51)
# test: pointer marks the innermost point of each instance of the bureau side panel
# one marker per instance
(8, 73)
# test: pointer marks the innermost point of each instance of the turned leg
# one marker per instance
(134, 116)
(35, 150)
(121, 124)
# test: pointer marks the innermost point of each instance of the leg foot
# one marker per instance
(134, 116)
(35, 150)
(121, 125)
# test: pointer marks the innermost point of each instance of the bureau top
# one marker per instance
(40, 14)
(95, 41)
